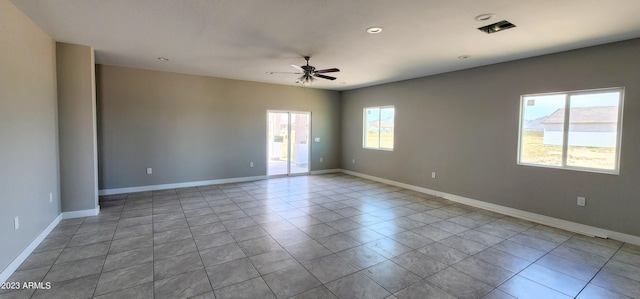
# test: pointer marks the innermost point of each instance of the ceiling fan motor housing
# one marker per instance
(307, 68)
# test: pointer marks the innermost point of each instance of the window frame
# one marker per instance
(565, 132)
(364, 128)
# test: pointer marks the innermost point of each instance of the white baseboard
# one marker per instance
(11, 268)
(179, 185)
(390, 182)
(82, 213)
(8, 271)
(542, 219)
(199, 183)
(326, 171)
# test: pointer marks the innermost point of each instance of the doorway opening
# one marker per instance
(288, 146)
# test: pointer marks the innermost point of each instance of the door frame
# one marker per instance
(309, 141)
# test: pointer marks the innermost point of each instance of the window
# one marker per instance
(378, 127)
(577, 130)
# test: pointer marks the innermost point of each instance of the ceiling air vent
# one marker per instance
(495, 27)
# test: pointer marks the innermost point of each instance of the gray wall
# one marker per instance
(28, 132)
(464, 126)
(77, 127)
(194, 128)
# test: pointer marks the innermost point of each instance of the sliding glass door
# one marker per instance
(288, 146)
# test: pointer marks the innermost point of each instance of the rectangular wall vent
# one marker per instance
(495, 27)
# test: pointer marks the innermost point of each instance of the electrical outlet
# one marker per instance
(50, 197)
(317, 139)
(251, 164)
(16, 223)
(149, 170)
(582, 201)
(353, 161)
(433, 175)
(321, 160)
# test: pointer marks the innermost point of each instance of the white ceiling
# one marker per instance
(245, 39)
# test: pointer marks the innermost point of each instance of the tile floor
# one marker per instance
(322, 236)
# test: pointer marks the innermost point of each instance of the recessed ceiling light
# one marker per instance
(485, 17)
(463, 56)
(163, 59)
(374, 30)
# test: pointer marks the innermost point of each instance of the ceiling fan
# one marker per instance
(309, 72)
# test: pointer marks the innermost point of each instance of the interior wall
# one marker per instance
(28, 132)
(77, 127)
(464, 126)
(194, 128)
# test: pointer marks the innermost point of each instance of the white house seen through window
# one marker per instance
(577, 130)
(378, 127)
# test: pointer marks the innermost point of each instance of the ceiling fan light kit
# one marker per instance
(305, 80)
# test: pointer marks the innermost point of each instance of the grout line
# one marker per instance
(600, 270)
(204, 267)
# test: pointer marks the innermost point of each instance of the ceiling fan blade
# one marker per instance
(333, 70)
(324, 77)
(299, 68)
(295, 73)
